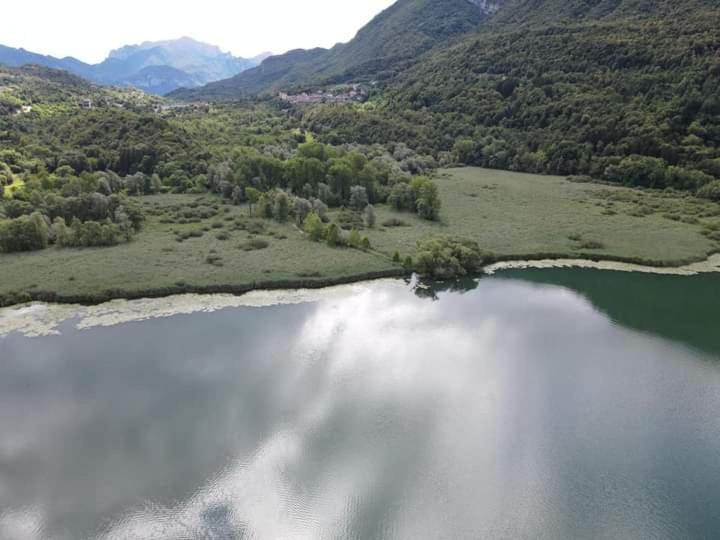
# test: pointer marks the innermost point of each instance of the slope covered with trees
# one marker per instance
(392, 41)
(632, 99)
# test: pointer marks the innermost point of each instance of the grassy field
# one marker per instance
(513, 214)
(199, 243)
(173, 256)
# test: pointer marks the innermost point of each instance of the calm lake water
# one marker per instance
(534, 404)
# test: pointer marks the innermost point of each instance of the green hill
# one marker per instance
(563, 97)
(391, 42)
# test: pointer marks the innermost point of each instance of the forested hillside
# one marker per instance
(391, 42)
(631, 99)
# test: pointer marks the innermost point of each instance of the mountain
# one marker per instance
(389, 43)
(156, 67)
(534, 12)
(624, 90)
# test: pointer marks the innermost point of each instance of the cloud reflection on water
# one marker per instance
(499, 413)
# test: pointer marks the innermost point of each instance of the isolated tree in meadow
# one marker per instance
(427, 198)
(332, 236)
(313, 227)
(401, 197)
(369, 216)
(354, 239)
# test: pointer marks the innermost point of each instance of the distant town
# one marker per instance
(339, 94)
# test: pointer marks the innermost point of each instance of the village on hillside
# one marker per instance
(338, 94)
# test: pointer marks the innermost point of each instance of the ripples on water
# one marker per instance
(516, 410)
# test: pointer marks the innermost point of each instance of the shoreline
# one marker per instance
(38, 317)
(709, 265)
(286, 288)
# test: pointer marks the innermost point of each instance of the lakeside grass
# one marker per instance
(196, 243)
(515, 215)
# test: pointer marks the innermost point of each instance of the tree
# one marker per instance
(253, 196)
(237, 195)
(354, 239)
(61, 233)
(401, 197)
(710, 191)
(123, 222)
(320, 208)
(282, 207)
(369, 216)
(25, 233)
(358, 198)
(313, 227)
(332, 236)
(365, 243)
(396, 257)
(302, 208)
(341, 177)
(447, 257)
(427, 198)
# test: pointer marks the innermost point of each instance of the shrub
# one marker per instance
(332, 236)
(448, 257)
(25, 233)
(710, 191)
(313, 227)
(354, 239)
(369, 216)
(254, 245)
(394, 222)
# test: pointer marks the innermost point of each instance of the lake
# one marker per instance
(557, 403)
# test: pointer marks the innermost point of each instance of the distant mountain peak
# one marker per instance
(154, 66)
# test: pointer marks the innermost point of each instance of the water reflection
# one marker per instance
(515, 410)
(679, 308)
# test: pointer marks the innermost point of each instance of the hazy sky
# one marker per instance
(89, 29)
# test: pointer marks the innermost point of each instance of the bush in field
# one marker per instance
(332, 236)
(427, 198)
(354, 240)
(302, 208)
(448, 257)
(313, 227)
(710, 191)
(369, 216)
(401, 197)
(320, 208)
(25, 233)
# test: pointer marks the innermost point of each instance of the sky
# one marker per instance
(90, 29)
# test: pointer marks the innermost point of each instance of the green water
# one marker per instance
(533, 404)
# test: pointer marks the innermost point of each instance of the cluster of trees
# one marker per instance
(447, 257)
(36, 217)
(354, 178)
(318, 231)
(421, 195)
